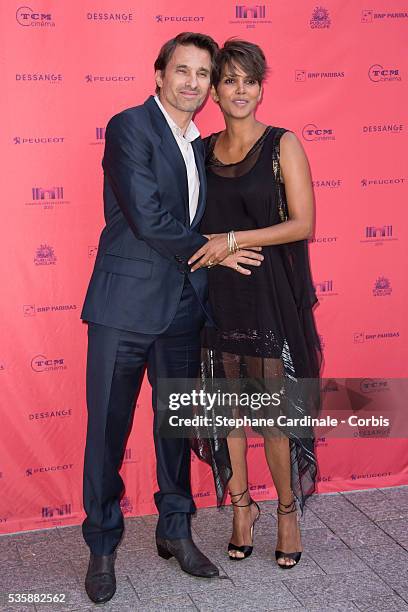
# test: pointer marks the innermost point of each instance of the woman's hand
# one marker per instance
(250, 258)
(211, 253)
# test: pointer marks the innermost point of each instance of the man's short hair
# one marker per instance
(202, 41)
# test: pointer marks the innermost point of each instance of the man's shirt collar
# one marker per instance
(192, 131)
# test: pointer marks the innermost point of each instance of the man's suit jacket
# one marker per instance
(143, 250)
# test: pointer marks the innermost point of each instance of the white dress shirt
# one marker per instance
(184, 143)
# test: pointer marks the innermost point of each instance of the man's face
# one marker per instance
(186, 79)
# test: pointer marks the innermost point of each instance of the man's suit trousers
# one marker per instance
(115, 368)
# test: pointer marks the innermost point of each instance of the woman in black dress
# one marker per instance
(259, 186)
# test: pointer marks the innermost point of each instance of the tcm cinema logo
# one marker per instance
(99, 136)
(179, 18)
(320, 18)
(368, 16)
(327, 183)
(374, 385)
(360, 337)
(325, 289)
(385, 181)
(30, 310)
(110, 17)
(378, 74)
(250, 15)
(258, 488)
(39, 77)
(27, 17)
(384, 128)
(47, 197)
(378, 234)
(311, 132)
(382, 287)
(45, 256)
(41, 363)
(302, 76)
(35, 140)
(49, 512)
(110, 78)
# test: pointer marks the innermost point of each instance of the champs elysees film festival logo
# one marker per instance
(47, 198)
(250, 15)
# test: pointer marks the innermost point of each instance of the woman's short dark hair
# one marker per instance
(202, 41)
(243, 54)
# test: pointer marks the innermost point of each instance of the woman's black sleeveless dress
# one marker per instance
(265, 325)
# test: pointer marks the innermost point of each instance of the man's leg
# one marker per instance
(176, 354)
(115, 369)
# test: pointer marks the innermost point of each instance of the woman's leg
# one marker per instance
(244, 513)
(277, 453)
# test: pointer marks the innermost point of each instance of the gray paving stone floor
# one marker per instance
(355, 558)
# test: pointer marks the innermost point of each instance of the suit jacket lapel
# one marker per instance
(198, 148)
(170, 150)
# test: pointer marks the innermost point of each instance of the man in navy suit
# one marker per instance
(144, 307)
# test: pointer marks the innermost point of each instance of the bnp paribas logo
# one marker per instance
(369, 16)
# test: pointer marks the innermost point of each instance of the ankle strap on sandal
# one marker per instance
(292, 505)
(240, 496)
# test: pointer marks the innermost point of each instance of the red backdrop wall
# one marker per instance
(338, 79)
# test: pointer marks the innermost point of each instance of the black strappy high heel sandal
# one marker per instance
(245, 549)
(279, 553)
